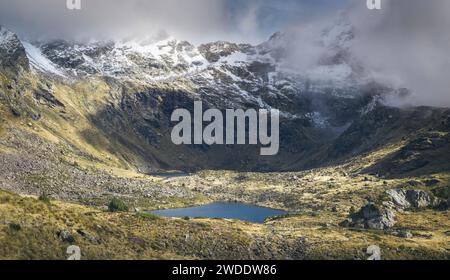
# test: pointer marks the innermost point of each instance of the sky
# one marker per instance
(406, 44)
(199, 21)
(258, 19)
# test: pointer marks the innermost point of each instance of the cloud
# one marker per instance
(249, 22)
(195, 20)
(50, 18)
(407, 44)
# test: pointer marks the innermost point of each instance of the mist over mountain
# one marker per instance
(198, 21)
(404, 45)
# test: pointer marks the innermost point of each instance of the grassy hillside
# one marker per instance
(35, 229)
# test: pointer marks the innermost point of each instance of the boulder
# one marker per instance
(371, 216)
(406, 199)
(419, 199)
(398, 197)
(66, 236)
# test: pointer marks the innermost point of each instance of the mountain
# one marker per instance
(89, 123)
(12, 53)
(136, 83)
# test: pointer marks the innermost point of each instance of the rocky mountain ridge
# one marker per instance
(326, 110)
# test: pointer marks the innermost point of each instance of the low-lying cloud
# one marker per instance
(198, 19)
(407, 44)
(195, 20)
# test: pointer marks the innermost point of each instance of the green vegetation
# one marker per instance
(44, 198)
(15, 227)
(117, 205)
(45, 233)
(104, 235)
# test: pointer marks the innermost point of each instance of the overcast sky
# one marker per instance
(406, 44)
(198, 20)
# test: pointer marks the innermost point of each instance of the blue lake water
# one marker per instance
(225, 210)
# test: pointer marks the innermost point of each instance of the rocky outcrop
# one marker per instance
(382, 217)
(419, 199)
(13, 57)
(371, 216)
(407, 199)
(446, 204)
(398, 197)
(44, 95)
(213, 52)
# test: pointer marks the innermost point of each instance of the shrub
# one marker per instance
(44, 198)
(5, 199)
(442, 192)
(117, 205)
(15, 227)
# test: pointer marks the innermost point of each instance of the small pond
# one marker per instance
(225, 210)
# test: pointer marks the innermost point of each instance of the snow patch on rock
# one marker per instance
(39, 62)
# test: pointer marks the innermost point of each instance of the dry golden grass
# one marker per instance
(29, 230)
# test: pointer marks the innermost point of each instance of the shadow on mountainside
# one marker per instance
(138, 129)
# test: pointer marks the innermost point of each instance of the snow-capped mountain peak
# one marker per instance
(12, 52)
(6, 37)
(162, 57)
(246, 74)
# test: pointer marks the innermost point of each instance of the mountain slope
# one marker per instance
(116, 98)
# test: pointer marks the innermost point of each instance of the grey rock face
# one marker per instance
(214, 51)
(406, 199)
(377, 218)
(419, 199)
(12, 53)
(372, 216)
(398, 196)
